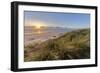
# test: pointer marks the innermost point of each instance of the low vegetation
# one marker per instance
(71, 45)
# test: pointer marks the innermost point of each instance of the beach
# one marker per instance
(32, 35)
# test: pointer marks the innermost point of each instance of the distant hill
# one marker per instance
(71, 45)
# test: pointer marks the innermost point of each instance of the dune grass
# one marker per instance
(71, 45)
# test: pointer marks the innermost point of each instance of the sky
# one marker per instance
(57, 19)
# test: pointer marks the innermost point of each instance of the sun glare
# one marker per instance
(38, 25)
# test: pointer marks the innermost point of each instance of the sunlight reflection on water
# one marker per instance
(39, 32)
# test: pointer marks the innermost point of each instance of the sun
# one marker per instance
(38, 25)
